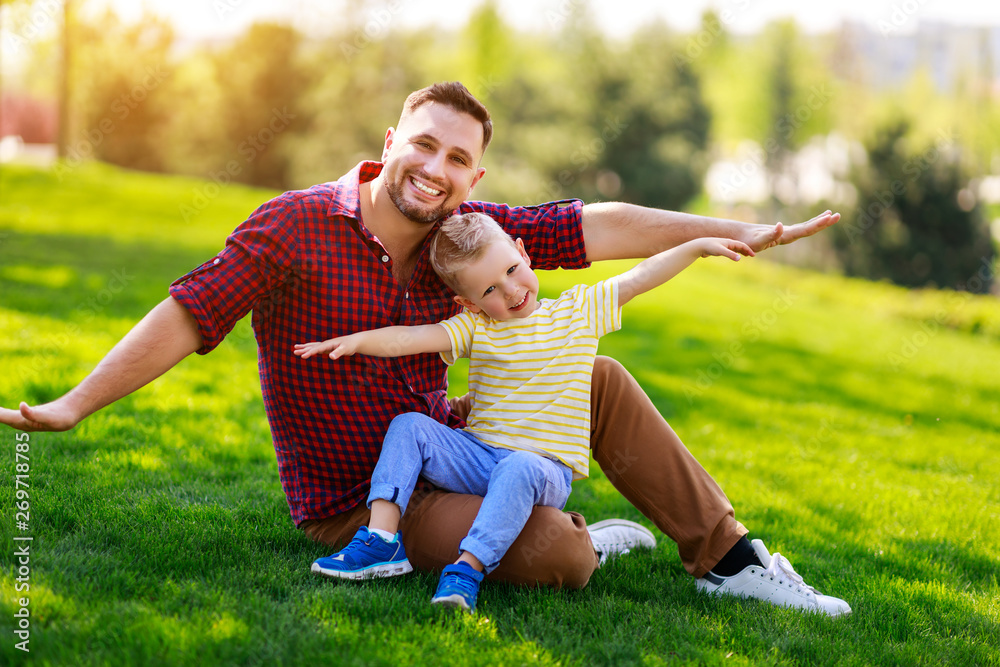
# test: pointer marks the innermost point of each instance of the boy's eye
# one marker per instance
(488, 290)
(511, 269)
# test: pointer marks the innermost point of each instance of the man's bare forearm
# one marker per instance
(156, 344)
(615, 230)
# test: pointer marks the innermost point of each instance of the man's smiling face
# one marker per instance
(432, 161)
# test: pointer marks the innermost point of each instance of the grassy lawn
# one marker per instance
(855, 427)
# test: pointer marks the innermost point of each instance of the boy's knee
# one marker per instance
(524, 467)
(409, 420)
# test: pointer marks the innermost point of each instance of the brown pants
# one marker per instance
(638, 452)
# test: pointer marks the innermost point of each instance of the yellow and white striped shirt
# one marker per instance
(529, 379)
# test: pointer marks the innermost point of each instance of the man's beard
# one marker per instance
(415, 212)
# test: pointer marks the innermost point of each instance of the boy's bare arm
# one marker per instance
(660, 268)
(385, 342)
(165, 336)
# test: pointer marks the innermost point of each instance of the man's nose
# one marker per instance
(434, 165)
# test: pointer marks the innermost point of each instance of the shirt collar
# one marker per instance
(349, 203)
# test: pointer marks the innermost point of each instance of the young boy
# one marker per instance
(528, 433)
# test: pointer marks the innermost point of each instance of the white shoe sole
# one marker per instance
(646, 539)
(384, 570)
(452, 601)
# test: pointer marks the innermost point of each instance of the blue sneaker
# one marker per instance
(458, 587)
(367, 555)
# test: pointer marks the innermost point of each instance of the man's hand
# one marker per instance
(762, 237)
(54, 416)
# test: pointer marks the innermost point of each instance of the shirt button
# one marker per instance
(216, 260)
(407, 295)
(385, 258)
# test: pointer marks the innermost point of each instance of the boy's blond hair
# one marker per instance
(461, 240)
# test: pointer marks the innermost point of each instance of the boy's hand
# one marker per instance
(344, 346)
(730, 248)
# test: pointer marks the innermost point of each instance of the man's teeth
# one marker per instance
(423, 188)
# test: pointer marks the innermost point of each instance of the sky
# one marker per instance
(198, 19)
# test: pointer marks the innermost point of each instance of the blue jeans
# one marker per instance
(511, 481)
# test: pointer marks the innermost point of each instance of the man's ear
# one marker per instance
(524, 253)
(480, 172)
(388, 142)
(462, 301)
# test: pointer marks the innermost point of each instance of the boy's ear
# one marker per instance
(462, 301)
(524, 253)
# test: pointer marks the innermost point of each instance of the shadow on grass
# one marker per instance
(77, 278)
(794, 375)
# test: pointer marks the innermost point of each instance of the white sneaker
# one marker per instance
(614, 537)
(776, 583)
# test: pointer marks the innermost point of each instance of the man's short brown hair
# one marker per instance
(452, 94)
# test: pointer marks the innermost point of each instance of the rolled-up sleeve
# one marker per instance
(258, 259)
(552, 233)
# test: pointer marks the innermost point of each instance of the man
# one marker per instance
(352, 255)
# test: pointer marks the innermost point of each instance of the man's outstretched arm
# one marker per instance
(155, 345)
(614, 230)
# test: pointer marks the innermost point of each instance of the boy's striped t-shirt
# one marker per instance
(529, 379)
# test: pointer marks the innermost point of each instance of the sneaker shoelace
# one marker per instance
(781, 568)
(356, 544)
(466, 585)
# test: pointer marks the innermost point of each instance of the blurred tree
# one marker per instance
(262, 82)
(917, 223)
(361, 82)
(653, 124)
(636, 125)
(120, 104)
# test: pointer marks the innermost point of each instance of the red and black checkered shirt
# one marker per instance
(310, 270)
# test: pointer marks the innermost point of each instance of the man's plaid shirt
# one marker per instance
(310, 270)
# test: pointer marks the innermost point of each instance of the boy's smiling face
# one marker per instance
(500, 283)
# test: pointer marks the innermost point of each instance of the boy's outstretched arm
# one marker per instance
(385, 342)
(660, 268)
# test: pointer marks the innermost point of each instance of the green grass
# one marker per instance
(854, 426)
